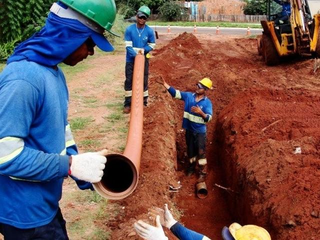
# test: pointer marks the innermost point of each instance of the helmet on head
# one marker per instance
(248, 232)
(206, 82)
(145, 10)
(102, 12)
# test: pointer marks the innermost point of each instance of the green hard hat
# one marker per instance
(102, 12)
(145, 10)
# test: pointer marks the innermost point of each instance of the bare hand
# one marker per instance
(196, 109)
(160, 80)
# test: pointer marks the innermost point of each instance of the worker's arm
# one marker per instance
(129, 43)
(184, 233)
(17, 160)
(151, 41)
(177, 229)
(206, 112)
(173, 92)
(198, 110)
(20, 161)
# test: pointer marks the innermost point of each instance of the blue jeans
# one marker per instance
(55, 230)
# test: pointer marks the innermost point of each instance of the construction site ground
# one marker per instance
(262, 144)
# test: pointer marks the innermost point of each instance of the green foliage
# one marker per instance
(171, 11)
(260, 7)
(19, 19)
(126, 10)
(6, 49)
(255, 7)
(133, 5)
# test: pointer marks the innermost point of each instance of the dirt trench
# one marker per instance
(263, 143)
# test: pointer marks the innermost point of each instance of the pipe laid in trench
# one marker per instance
(121, 173)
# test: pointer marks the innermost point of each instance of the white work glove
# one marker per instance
(89, 166)
(169, 221)
(149, 232)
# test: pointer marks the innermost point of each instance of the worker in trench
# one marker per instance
(198, 112)
(37, 149)
(163, 217)
(139, 38)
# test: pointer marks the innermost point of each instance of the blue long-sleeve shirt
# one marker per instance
(35, 141)
(193, 121)
(135, 37)
(184, 233)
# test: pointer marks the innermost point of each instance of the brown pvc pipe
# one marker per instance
(201, 190)
(121, 173)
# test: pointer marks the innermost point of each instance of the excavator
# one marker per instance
(298, 35)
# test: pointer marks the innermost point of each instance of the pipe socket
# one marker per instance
(201, 190)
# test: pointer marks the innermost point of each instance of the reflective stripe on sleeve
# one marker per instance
(152, 45)
(205, 238)
(69, 137)
(193, 118)
(64, 152)
(128, 43)
(146, 93)
(128, 94)
(10, 147)
(178, 94)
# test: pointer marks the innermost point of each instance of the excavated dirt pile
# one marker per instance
(263, 143)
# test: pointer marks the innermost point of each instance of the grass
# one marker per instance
(89, 143)
(206, 24)
(80, 123)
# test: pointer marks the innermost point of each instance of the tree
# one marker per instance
(260, 7)
(131, 6)
(255, 7)
(21, 18)
(171, 11)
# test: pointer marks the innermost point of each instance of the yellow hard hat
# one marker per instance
(248, 232)
(206, 82)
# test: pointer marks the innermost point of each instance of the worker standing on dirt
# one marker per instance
(37, 149)
(138, 37)
(197, 113)
(234, 232)
(285, 12)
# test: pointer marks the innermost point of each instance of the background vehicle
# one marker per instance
(299, 35)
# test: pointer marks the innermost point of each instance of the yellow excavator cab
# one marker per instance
(295, 35)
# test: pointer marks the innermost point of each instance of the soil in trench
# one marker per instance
(262, 148)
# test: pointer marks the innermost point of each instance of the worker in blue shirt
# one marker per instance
(234, 232)
(197, 113)
(138, 37)
(285, 12)
(37, 149)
